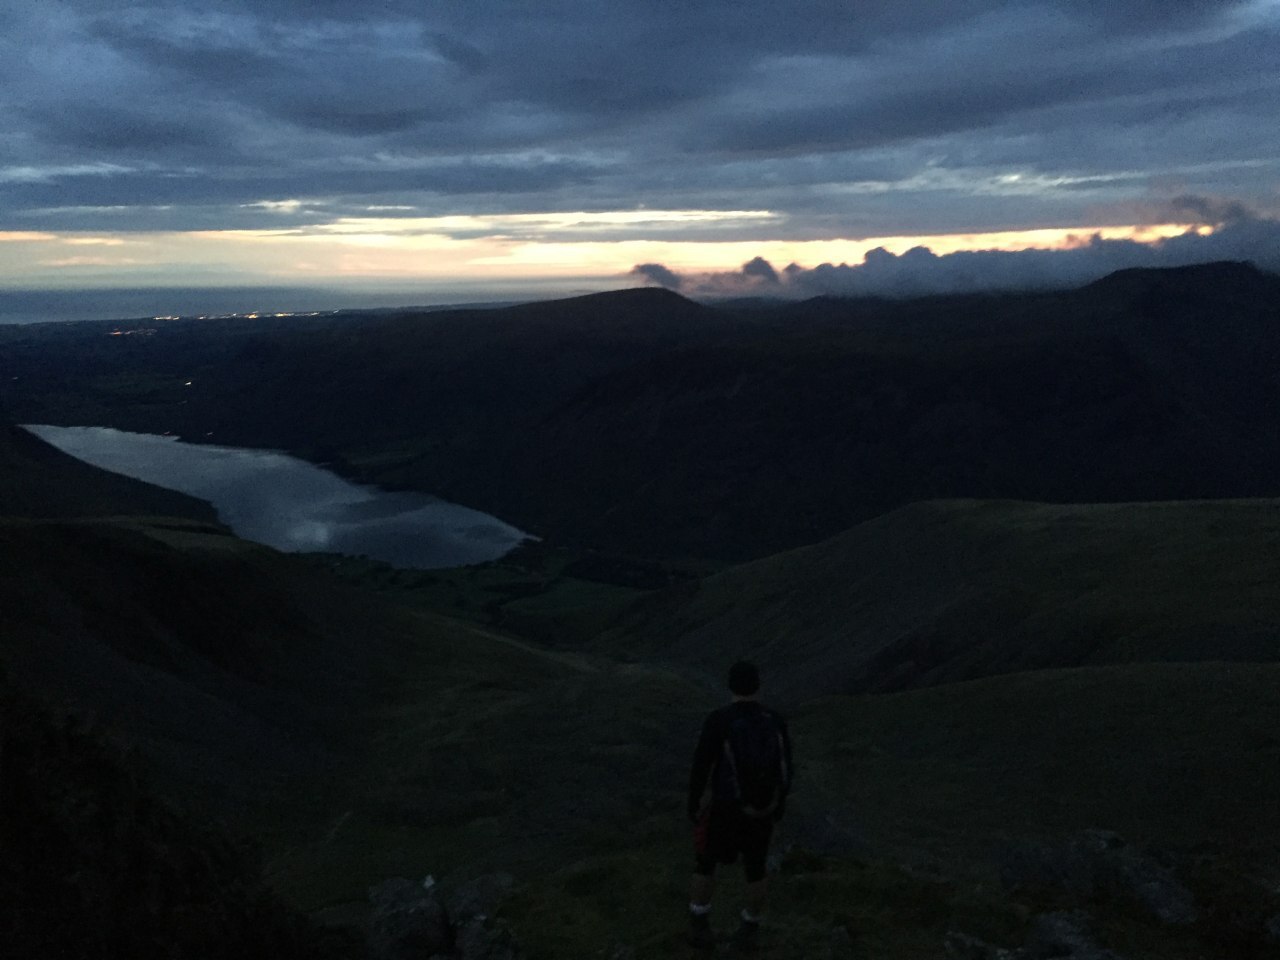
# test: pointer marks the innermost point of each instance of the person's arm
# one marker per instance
(704, 758)
(790, 771)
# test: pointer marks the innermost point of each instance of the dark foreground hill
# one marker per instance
(37, 480)
(641, 422)
(356, 740)
(945, 591)
(353, 738)
(94, 864)
(1174, 754)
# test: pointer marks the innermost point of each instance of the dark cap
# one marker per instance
(744, 678)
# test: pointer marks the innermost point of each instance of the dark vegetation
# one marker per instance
(97, 865)
(37, 480)
(940, 592)
(974, 684)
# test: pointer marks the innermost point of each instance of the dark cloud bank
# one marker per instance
(919, 271)
(896, 116)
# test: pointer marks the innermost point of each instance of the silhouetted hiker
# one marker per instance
(737, 791)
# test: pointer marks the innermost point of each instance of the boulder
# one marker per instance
(840, 944)
(961, 946)
(1099, 862)
(1027, 865)
(477, 940)
(407, 922)
(1063, 935)
(479, 897)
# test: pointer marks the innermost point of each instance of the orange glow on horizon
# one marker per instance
(499, 247)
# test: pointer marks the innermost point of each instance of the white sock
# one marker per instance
(749, 917)
(699, 909)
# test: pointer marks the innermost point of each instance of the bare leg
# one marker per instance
(700, 889)
(757, 893)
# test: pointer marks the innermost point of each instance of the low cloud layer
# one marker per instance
(919, 271)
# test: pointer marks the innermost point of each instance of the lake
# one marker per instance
(292, 505)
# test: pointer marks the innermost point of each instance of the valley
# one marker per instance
(1008, 564)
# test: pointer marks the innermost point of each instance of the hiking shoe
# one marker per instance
(700, 936)
(747, 937)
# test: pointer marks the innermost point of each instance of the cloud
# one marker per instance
(886, 117)
(761, 269)
(658, 275)
(919, 271)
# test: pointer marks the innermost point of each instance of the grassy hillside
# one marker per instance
(354, 738)
(955, 590)
(1179, 755)
(641, 423)
(92, 864)
(230, 667)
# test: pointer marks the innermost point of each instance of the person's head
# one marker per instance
(744, 679)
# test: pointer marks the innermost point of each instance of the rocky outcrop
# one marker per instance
(1056, 935)
(1099, 863)
(1053, 936)
(478, 897)
(408, 921)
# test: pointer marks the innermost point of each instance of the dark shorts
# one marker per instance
(722, 834)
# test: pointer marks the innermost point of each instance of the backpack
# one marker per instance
(755, 762)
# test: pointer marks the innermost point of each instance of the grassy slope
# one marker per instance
(92, 864)
(495, 755)
(1180, 756)
(38, 480)
(425, 745)
(946, 591)
(355, 738)
(221, 660)
(1171, 754)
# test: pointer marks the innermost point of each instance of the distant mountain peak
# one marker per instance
(634, 295)
(1137, 279)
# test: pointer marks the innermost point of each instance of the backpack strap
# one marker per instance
(756, 813)
(732, 766)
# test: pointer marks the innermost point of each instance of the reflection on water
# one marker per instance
(293, 505)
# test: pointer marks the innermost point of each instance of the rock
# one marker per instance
(1063, 935)
(1053, 936)
(1099, 862)
(479, 897)
(961, 946)
(1027, 865)
(1166, 899)
(840, 944)
(407, 922)
(1100, 841)
(478, 941)
(1273, 930)
(1139, 875)
(823, 832)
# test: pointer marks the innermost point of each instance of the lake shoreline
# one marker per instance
(280, 500)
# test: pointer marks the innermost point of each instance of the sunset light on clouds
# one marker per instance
(530, 245)
(468, 149)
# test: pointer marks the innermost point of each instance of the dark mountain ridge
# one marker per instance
(642, 422)
(943, 592)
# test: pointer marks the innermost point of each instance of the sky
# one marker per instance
(469, 149)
